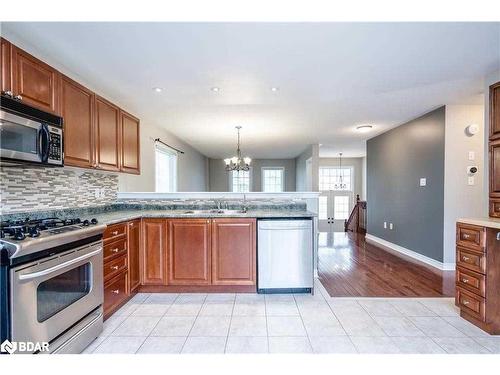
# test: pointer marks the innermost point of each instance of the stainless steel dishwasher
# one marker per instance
(285, 255)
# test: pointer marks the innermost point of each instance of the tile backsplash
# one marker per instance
(29, 189)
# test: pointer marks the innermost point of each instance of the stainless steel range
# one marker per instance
(51, 282)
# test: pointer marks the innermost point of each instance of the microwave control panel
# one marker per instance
(55, 145)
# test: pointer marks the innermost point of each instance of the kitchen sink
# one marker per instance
(220, 212)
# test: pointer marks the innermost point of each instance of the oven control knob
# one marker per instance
(85, 223)
(2, 234)
(34, 232)
(93, 221)
(19, 235)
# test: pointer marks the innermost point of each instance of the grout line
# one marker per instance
(194, 322)
(303, 325)
(230, 322)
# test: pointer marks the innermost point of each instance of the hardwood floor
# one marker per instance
(350, 267)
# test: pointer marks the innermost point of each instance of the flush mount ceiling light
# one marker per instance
(237, 163)
(274, 89)
(215, 89)
(364, 128)
(157, 89)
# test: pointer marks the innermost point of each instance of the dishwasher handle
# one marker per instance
(284, 224)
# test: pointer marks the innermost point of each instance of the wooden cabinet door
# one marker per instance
(130, 147)
(495, 111)
(107, 135)
(5, 66)
(133, 246)
(35, 81)
(494, 154)
(189, 252)
(233, 252)
(154, 252)
(77, 109)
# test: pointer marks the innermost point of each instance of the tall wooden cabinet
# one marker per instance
(154, 252)
(130, 145)
(189, 252)
(77, 109)
(233, 252)
(494, 150)
(107, 135)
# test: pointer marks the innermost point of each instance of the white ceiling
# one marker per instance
(332, 76)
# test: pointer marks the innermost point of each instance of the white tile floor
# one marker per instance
(300, 323)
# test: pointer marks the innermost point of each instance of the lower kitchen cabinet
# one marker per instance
(189, 252)
(154, 252)
(233, 252)
(133, 247)
(115, 293)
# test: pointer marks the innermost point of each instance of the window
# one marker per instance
(273, 179)
(341, 207)
(240, 181)
(166, 169)
(323, 208)
(329, 176)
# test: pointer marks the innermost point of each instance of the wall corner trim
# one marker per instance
(392, 247)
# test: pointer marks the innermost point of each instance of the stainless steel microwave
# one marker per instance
(29, 135)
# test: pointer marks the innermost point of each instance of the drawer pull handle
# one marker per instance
(115, 250)
(130, 224)
(114, 233)
(465, 302)
(114, 267)
(117, 291)
(465, 281)
(465, 235)
(464, 258)
(498, 236)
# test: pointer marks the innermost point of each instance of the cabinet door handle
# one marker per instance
(116, 291)
(498, 236)
(130, 224)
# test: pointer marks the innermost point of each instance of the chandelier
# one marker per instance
(340, 184)
(237, 163)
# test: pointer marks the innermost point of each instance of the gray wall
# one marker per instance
(396, 160)
(219, 179)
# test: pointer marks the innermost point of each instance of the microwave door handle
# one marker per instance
(48, 271)
(43, 143)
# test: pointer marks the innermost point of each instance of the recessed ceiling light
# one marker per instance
(157, 89)
(215, 89)
(275, 89)
(364, 128)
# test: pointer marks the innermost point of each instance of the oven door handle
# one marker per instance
(50, 270)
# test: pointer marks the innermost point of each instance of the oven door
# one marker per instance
(50, 296)
(22, 139)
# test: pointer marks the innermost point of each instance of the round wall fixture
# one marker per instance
(472, 129)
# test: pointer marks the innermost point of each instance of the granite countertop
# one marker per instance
(488, 222)
(125, 215)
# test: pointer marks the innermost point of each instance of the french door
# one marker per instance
(334, 208)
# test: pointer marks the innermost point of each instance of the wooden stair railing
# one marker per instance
(357, 218)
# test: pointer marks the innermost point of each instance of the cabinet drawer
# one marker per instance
(115, 292)
(114, 267)
(114, 232)
(470, 303)
(472, 281)
(115, 249)
(471, 260)
(471, 236)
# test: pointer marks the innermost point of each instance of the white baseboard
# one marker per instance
(392, 247)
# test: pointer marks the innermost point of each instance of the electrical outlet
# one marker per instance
(472, 155)
(103, 192)
(423, 181)
(391, 227)
(97, 193)
(470, 180)
(385, 224)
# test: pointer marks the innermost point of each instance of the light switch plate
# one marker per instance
(423, 181)
(391, 227)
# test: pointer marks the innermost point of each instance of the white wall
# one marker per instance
(192, 167)
(461, 199)
(301, 178)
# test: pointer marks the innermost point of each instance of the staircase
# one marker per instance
(357, 219)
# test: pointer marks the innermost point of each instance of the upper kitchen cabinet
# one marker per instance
(5, 65)
(107, 135)
(189, 252)
(34, 82)
(495, 111)
(130, 138)
(77, 109)
(233, 252)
